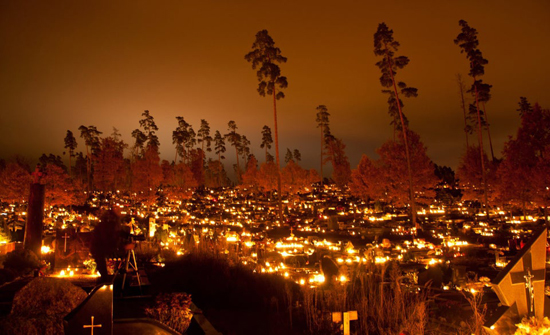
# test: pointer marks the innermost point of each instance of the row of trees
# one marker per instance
(520, 178)
(403, 174)
(103, 167)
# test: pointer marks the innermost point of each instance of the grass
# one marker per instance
(240, 301)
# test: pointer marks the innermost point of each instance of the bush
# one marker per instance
(6, 275)
(17, 325)
(219, 283)
(533, 326)
(173, 310)
(21, 261)
(39, 307)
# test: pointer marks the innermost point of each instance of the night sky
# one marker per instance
(69, 63)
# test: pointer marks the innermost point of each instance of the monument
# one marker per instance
(520, 287)
(94, 315)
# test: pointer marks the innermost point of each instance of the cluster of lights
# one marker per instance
(237, 213)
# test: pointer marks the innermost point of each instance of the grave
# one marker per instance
(71, 248)
(520, 287)
(94, 316)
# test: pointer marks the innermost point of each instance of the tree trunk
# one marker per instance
(88, 168)
(220, 172)
(523, 209)
(279, 186)
(480, 139)
(322, 156)
(35, 219)
(489, 133)
(70, 165)
(463, 105)
(238, 166)
(406, 142)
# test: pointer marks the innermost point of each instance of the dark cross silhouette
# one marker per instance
(528, 277)
(92, 326)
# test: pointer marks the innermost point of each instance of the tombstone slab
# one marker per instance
(94, 316)
(520, 285)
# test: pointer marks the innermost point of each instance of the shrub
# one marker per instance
(533, 326)
(90, 265)
(6, 275)
(217, 282)
(173, 310)
(21, 261)
(39, 307)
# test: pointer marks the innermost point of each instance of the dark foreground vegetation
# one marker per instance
(239, 301)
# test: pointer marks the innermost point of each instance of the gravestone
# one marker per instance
(520, 287)
(65, 249)
(332, 223)
(458, 274)
(94, 316)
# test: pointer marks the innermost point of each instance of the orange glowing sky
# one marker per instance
(69, 63)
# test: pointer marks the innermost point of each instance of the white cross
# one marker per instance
(348, 316)
(92, 326)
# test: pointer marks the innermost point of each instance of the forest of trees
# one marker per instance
(402, 174)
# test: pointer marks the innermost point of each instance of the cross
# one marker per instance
(65, 237)
(348, 316)
(528, 277)
(530, 291)
(92, 326)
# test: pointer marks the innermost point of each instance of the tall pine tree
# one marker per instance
(265, 57)
(385, 46)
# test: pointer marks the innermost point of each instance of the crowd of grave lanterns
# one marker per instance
(325, 222)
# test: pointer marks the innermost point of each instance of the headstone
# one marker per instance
(520, 285)
(64, 239)
(65, 249)
(458, 274)
(332, 223)
(94, 316)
